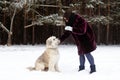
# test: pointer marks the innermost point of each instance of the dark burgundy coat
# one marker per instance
(82, 34)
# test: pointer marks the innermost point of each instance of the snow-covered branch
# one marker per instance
(53, 19)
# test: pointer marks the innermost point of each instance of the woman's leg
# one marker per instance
(91, 61)
(82, 62)
(90, 58)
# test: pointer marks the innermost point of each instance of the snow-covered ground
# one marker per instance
(15, 59)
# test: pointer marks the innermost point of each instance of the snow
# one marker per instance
(15, 59)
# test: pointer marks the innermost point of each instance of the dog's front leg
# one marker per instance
(51, 66)
(56, 67)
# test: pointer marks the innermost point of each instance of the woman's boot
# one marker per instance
(93, 69)
(81, 68)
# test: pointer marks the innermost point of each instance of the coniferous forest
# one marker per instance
(33, 21)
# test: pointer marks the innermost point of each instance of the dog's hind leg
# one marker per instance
(39, 66)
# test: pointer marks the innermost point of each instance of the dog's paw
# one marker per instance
(31, 68)
(58, 71)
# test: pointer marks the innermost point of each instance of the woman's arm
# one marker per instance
(80, 26)
(64, 36)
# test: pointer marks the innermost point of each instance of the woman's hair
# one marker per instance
(67, 13)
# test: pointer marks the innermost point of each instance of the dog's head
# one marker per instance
(52, 42)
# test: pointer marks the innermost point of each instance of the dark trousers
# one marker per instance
(89, 58)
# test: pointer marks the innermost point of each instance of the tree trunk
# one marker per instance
(107, 38)
(11, 27)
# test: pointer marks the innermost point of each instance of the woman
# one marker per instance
(83, 36)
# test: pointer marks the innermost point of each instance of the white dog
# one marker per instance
(49, 59)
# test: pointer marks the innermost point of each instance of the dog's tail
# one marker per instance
(31, 68)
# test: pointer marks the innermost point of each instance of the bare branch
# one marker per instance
(3, 27)
(30, 25)
(53, 6)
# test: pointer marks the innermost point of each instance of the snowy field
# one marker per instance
(15, 59)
